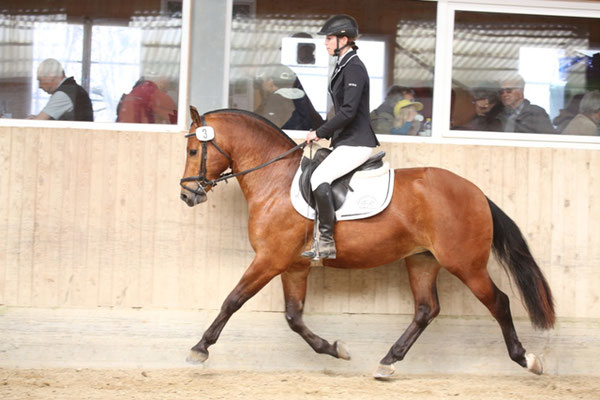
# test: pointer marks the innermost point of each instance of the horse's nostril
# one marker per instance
(183, 197)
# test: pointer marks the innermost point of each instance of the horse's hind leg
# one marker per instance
(258, 274)
(498, 304)
(422, 273)
(294, 289)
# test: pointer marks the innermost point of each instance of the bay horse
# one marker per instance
(435, 220)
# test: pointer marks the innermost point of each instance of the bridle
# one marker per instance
(201, 180)
(207, 136)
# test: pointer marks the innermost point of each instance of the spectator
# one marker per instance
(487, 106)
(148, 103)
(519, 115)
(68, 101)
(567, 114)
(405, 112)
(586, 122)
(284, 101)
(382, 118)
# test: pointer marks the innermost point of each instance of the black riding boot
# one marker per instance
(325, 246)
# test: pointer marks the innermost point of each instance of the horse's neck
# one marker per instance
(272, 179)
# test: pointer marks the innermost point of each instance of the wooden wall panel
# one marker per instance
(93, 218)
(82, 185)
(5, 158)
(45, 260)
(68, 175)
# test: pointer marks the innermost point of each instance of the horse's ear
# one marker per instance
(195, 116)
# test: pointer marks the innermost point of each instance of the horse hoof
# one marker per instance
(534, 364)
(196, 357)
(342, 350)
(384, 372)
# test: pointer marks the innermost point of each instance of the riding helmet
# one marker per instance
(340, 25)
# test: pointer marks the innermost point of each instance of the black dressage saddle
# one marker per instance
(340, 186)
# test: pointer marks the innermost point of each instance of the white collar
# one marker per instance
(345, 59)
(344, 56)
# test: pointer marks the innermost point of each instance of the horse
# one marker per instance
(435, 220)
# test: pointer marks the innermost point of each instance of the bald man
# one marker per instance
(68, 100)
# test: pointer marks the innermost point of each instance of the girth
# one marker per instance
(340, 186)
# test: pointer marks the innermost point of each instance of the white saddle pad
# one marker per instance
(371, 193)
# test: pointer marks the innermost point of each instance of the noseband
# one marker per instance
(207, 136)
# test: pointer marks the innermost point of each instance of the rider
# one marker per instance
(352, 137)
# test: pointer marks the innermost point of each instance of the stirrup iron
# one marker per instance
(313, 253)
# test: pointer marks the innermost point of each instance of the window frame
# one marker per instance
(182, 101)
(443, 73)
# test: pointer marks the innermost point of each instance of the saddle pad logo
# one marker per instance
(367, 203)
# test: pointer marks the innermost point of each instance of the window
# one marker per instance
(276, 47)
(126, 55)
(525, 73)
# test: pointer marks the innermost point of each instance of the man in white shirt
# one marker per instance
(68, 100)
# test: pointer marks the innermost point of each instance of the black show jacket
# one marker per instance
(349, 90)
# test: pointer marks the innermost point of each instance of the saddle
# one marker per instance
(340, 186)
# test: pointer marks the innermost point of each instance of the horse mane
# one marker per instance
(255, 116)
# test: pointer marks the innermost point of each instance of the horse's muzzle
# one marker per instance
(193, 198)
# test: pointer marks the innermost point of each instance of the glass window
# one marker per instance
(279, 66)
(525, 73)
(124, 58)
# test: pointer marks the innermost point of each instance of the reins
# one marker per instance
(201, 179)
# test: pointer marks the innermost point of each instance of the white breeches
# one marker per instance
(342, 160)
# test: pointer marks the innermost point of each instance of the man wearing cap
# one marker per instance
(405, 112)
(519, 115)
(284, 101)
(68, 100)
(487, 106)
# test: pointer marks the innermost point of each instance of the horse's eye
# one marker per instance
(193, 152)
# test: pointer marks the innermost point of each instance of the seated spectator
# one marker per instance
(382, 118)
(148, 103)
(284, 101)
(519, 115)
(586, 122)
(405, 112)
(487, 106)
(567, 114)
(68, 101)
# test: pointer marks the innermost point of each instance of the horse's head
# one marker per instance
(205, 161)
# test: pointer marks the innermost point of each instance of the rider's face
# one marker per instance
(331, 43)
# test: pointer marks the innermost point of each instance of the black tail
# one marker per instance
(511, 249)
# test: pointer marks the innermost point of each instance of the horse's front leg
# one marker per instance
(258, 274)
(294, 289)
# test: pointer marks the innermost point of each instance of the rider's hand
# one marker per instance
(311, 136)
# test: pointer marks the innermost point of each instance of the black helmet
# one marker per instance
(340, 25)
